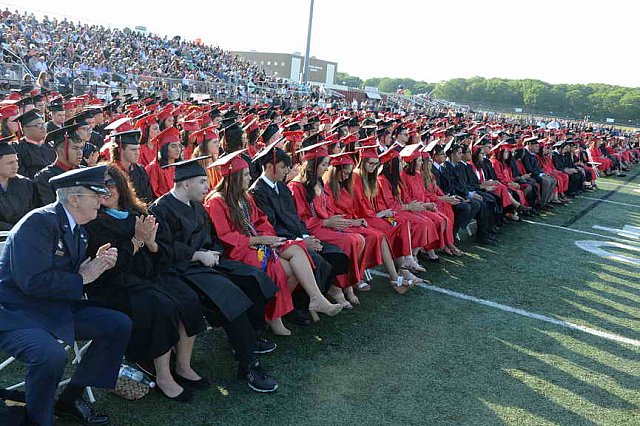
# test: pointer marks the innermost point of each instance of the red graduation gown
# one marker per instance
(423, 231)
(313, 216)
(547, 166)
(398, 235)
(236, 246)
(147, 155)
(372, 255)
(161, 179)
(501, 190)
(412, 189)
(433, 193)
(505, 176)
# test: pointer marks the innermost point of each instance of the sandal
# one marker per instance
(363, 286)
(401, 285)
(407, 275)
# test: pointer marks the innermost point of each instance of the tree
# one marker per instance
(348, 80)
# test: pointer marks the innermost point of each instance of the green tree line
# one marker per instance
(596, 100)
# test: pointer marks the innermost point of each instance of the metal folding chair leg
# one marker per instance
(78, 352)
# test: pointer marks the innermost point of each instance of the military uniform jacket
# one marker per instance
(39, 280)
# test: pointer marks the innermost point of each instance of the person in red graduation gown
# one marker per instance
(316, 211)
(424, 234)
(510, 205)
(397, 229)
(339, 183)
(500, 160)
(413, 189)
(544, 157)
(248, 236)
(444, 203)
(148, 149)
(160, 174)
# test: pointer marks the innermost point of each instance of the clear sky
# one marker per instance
(558, 41)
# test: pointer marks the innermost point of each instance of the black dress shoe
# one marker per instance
(486, 241)
(264, 346)
(185, 396)
(299, 316)
(202, 384)
(81, 411)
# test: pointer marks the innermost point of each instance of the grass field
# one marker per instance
(429, 358)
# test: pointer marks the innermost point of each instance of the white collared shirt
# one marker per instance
(272, 185)
(72, 221)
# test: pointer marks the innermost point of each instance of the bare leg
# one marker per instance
(184, 349)
(301, 268)
(164, 379)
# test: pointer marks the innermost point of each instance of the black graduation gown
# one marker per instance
(185, 229)
(51, 126)
(96, 139)
(20, 197)
(488, 170)
(154, 302)
(283, 216)
(33, 158)
(468, 176)
(140, 181)
(46, 193)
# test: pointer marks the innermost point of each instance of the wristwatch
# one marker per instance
(137, 242)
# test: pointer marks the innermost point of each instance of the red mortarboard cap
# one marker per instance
(205, 134)
(313, 152)
(145, 122)
(388, 155)
(367, 151)
(342, 159)
(9, 111)
(424, 152)
(410, 152)
(190, 125)
(368, 141)
(167, 136)
(164, 114)
(350, 138)
(230, 163)
(120, 125)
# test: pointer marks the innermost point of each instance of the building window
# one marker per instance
(282, 64)
(261, 62)
(268, 62)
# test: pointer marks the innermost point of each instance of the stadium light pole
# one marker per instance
(305, 76)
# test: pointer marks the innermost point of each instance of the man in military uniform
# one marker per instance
(43, 272)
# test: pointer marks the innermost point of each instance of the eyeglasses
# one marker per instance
(376, 164)
(38, 125)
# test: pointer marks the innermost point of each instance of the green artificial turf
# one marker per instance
(427, 358)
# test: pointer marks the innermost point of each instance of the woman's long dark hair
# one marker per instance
(391, 171)
(163, 155)
(309, 177)
(127, 198)
(475, 158)
(332, 180)
(230, 189)
(411, 168)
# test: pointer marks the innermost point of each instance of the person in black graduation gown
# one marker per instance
(56, 108)
(548, 184)
(233, 294)
(165, 313)
(125, 153)
(33, 153)
(456, 186)
(564, 163)
(274, 198)
(69, 150)
(18, 195)
(470, 179)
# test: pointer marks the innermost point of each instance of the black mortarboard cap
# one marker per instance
(80, 119)
(188, 169)
(6, 149)
(58, 136)
(269, 131)
(29, 116)
(130, 137)
(56, 105)
(89, 177)
(272, 154)
(307, 127)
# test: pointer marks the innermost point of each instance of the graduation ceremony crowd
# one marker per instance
(138, 222)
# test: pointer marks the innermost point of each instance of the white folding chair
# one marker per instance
(78, 352)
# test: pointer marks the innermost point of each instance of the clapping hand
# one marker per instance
(105, 259)
(146, 229)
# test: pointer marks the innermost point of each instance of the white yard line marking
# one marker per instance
(603, 334)
(578, 231)
(610, 202)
